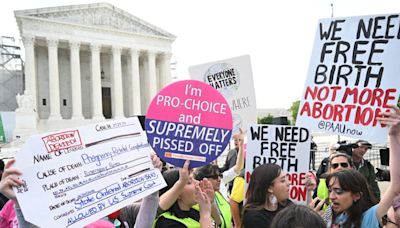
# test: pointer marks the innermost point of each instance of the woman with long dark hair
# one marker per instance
(267, 194)
(351, 198)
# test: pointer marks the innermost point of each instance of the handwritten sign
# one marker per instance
(353, 75)
(77, 176)
(286, 146)
(189, 120)
(233, 78)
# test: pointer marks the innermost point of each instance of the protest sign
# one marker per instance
(353, 76)
(234, 80)
(77, 176)
(189, 120)
(286, 146)
(2, 134)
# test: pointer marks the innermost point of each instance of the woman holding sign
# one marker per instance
(178, 203)
(219, 180)
(351, 199)
(267, 194)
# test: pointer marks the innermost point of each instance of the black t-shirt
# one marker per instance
(261, 217)
(163, 222)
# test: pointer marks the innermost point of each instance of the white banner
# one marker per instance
(233, 78)
(77, 176)
(286, 146)
(353, 75)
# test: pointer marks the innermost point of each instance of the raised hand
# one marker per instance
(184, 173)
(392, 119)
(10, 180)
(157, 163)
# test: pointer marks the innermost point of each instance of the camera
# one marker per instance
(347, 148)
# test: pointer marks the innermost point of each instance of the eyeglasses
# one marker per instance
(386, 220)
(342, 164)
(215, 176)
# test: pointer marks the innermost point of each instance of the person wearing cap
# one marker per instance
(364, 166)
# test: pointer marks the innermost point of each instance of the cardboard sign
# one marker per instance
(234, 80)
(286, 146)
(189, 120)
(77, 176)
(353, 75)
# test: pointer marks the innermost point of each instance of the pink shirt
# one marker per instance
(8, 218)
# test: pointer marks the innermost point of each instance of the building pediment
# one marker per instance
(98, 15)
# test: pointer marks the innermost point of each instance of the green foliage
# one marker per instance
(294, 110)
(265, 119)
(398, 103)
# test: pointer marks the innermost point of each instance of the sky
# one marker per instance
(278, 35)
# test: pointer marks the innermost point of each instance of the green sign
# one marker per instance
(2, 135)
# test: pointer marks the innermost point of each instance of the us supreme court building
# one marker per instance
(87, 63)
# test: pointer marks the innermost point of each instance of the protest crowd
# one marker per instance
(203, 197)
(267, 182)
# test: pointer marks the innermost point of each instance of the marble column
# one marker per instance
(76, 80)
(54, 82)
(135, 105)
(152, 78)
(97, 101)
(30, 72)
(116, 84)
(165, 69)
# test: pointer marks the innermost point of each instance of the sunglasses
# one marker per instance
(386, 220)
(215, 176)
(343, 165)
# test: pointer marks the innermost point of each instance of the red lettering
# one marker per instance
(298, 193)
(388, 97)
(350, 92)
(365, 96)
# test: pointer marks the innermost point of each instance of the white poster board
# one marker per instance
(233, 78)
(77, 176)
(353, 75)
(286, 146)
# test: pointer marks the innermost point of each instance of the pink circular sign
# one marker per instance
(189, 120)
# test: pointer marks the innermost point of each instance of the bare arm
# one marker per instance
(393, 121)
(170, 197)
(148, 208)
(203, 192)
(311, 184)
(235, 213)
(240, 157)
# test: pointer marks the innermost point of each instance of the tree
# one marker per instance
(265, 119)
(398, 103)
(294, 110)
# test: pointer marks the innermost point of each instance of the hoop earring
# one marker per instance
(273, 200)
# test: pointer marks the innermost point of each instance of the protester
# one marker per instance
(231, 158)
(236, 199)
(324, 166)
(353, 203)
(298, 216)
(313, 150)
(219, 180)
(146, 210)
(267, 194)
(3, 199)
(364, 166)
(181, 213)
(337, 162)
(232, 154)
(146, 213)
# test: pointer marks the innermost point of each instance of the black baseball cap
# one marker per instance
(364, 143)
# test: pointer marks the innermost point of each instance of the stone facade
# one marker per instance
(85, 63)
